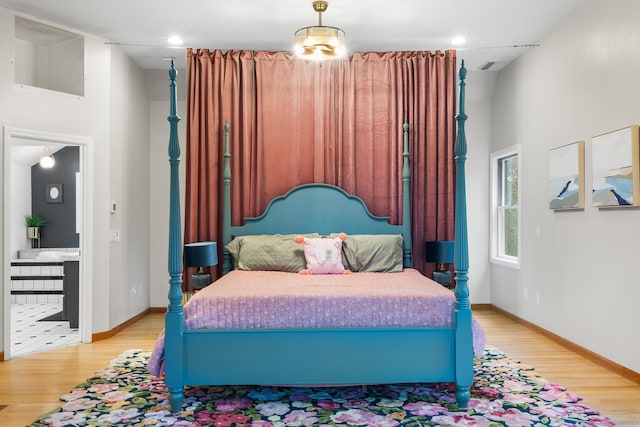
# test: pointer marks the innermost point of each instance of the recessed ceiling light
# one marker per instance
(458, 40)
(175, 40)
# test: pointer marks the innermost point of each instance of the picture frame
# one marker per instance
(54, 193)
(615, 169)
(566, 177)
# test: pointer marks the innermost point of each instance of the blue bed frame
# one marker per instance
(317, 356)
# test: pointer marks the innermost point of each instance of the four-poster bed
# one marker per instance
(333, 349)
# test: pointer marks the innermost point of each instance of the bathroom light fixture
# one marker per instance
(320, 42)
(46, 158)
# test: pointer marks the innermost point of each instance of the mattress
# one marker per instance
(272, 299)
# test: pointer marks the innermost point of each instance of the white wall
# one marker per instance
(580, 82)
(25, 62)
(65, 66)
(38, 109)
(158, 84)
(479, 88)
(129, 189)
(90, 116)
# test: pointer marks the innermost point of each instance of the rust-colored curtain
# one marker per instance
(220, 89)
(419, 87)
(337, 122)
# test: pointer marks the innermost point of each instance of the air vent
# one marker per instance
(487, 65)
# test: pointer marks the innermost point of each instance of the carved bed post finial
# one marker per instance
(175, 235)
(174, 323)
(461, 251)
(464, 335)
(406, 199)
(227, 263)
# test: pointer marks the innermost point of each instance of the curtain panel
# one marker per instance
(338, 122)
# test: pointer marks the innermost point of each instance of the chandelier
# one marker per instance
(320, 42)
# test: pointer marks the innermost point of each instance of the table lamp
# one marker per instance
(441, 253)
(200, 255)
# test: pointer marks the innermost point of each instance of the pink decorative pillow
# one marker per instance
(324, 256)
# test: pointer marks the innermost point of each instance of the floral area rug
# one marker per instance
(505, 393)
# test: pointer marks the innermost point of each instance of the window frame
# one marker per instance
(497, 255)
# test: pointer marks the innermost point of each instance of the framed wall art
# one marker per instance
(616, 177)
(54, 193)
(566, 177)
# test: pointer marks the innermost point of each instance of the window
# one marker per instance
(505, 205)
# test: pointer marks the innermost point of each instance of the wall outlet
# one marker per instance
(526, 294)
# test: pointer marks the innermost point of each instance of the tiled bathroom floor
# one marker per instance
(29, 335)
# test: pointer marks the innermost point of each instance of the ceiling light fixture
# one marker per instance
(320, 42)
(175, 41)
(458, 40)
(46, 158)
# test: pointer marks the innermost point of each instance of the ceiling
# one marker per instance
(496, 30)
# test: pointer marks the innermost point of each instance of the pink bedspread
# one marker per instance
(270, 299)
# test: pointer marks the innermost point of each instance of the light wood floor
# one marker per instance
(603, 390)
(32, 385)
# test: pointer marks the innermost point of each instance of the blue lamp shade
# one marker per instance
(440, 252)
(200, 254)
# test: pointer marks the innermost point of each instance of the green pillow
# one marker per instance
(373, 252)
(268, 252)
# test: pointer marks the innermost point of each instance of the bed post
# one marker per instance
(174, 322)
(406, 200)
(226, 208)
(463, 338)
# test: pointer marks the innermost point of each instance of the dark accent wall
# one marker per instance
(60, 231)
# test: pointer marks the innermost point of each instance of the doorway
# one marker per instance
(55, 281)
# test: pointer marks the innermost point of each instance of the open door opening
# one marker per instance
(47, 237)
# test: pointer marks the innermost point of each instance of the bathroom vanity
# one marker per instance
(48, 276)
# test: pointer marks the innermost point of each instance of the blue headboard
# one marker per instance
(317, 208)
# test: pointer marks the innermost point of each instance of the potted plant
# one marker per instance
(34, 222)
